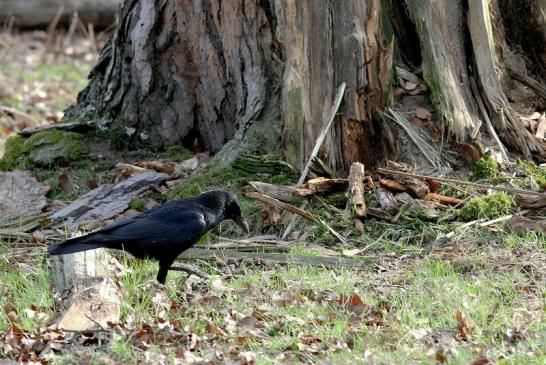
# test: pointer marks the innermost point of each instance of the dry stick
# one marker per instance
(282, 205)
(11, 110)
(325, 126)
(536, 86)
(461, 182)
(501, 219)
(488, 123)
(292, 223)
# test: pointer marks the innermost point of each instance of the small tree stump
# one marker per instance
(356, 205)
(94, 298)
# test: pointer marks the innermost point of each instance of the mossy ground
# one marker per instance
(488, 206)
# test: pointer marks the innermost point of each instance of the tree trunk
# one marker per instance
(252, 75)
(259, 76)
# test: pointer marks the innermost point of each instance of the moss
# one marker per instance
(138, 204)
(47, 146)
(486, 168)
(14, 154)
(489, 206)
(536, 172)
(177, 153)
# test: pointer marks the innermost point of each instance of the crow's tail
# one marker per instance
(73, 245)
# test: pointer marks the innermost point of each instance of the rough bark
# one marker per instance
(233, 74)
(503, 116)
(440, 27)
(176, 71)
(327, 43)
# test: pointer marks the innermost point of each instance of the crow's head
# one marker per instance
(225, 202)
(233, 211)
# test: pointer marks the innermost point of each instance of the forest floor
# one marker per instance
(428, 291)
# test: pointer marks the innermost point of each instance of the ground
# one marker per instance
(476, 296)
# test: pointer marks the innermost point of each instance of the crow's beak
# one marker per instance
(242, 223)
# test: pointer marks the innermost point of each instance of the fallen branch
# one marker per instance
(11, 110)
(280, 258)
(281, 205)
(461, 182)
(531, 83)
(522, 225)
(444, 199)
(393, 185)
(531, 202)
(289, 193)
(417, 187)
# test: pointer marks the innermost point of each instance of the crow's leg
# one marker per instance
(190, 271)
(164, 265)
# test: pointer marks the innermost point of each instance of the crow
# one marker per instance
(163, 232)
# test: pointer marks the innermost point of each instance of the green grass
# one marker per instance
(409, 308)
(26, 292)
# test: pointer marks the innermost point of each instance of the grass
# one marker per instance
(292, 314)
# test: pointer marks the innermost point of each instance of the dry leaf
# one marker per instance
(422, 113)
(64, 182)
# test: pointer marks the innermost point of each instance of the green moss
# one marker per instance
(13, 154)
(489, 206)
(177, 153)
(486, 168)
(48, 146)
(138, 204)
(538, 173)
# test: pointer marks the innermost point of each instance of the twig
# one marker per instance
(325, 126)
(282, 205)
(501, 219)
(293, 221)
(18, 112)
(461, 182)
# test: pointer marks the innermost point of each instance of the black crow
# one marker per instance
(163, 232)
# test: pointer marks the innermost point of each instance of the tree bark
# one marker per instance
(239, 75)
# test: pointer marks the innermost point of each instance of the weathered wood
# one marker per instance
(467, 183)
(531, 83)
(503, 116)
(393, 185)
(531, 202)
(64, 126)
(520, 224)
(444, 199)
(439, 26)
(289, 193)
(21, 195)
(416, 186)
(328, 119)
(285, 259)
(386, 201)
(36, 13)
(356, 204)
(94, 298)
(107, 200)
(281, 205)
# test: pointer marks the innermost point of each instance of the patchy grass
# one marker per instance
(485, 302)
